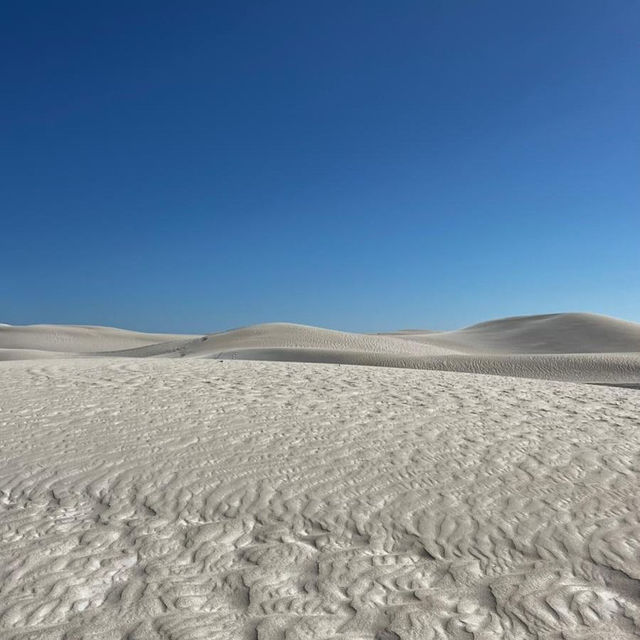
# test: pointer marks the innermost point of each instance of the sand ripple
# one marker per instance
(191, 500)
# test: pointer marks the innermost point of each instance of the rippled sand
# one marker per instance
(194, 499)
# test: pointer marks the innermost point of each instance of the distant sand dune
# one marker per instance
(552, 333)
(76, 338)
(278, 336)
(570, 346)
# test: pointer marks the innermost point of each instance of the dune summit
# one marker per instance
(241, 485)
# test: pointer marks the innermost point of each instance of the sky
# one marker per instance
(362, 165)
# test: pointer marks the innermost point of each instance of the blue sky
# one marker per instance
(363, 165)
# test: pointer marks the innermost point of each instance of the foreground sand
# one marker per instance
(195, 499)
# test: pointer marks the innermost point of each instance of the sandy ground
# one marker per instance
(195, 498)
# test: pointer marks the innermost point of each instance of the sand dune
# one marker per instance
(70, 339)
(605, 368)
(292, 338)
(30, 354)
(163, 499)
(553, 333)
(572, 346)
(168, 487)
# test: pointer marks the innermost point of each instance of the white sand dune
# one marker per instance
(70, 339)
(576, 347)
(287, 337)
(197, 499)
(544, 334)
(152, 488)
(604, 368)
(29, 354)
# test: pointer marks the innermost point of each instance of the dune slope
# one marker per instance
(287, 337)
(75, 339)
(553, 333)
(571, 347)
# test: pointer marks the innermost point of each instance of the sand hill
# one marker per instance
(571, 346)
(552, 333)
(74, 339)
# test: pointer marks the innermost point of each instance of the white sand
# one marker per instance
(155, 498)
(69, 339)
(572, 346)
(552, 333)
(195, 499)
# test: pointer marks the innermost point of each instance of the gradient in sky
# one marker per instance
(363, 165)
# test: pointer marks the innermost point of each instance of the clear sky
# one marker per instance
(355, 164)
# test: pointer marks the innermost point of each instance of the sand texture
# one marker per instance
(195, 499)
